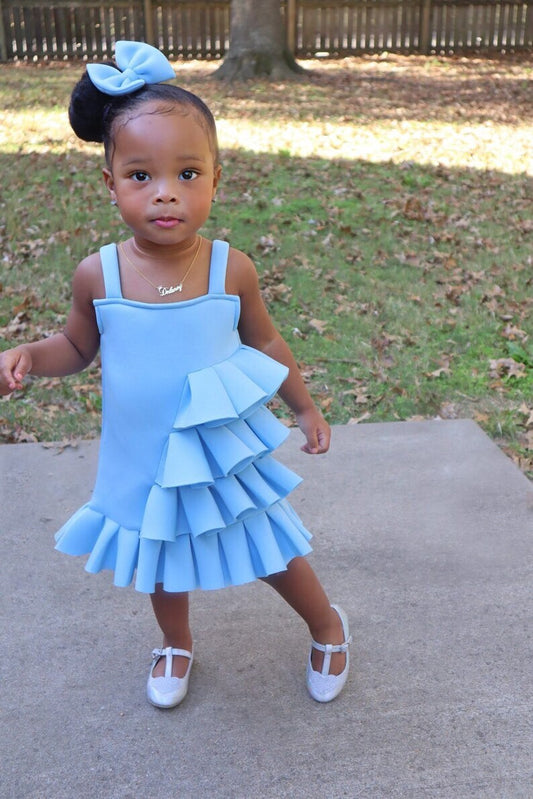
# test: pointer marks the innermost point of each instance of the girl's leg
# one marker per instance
(301, 588)
(172, 614)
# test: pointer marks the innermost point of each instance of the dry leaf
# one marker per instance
(359, 419)
(507, 367)
(443, 370)
(318, 326)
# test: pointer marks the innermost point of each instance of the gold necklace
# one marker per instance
(164, 290)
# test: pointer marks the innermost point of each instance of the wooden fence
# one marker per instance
(66, 29)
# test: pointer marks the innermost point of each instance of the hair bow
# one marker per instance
(138, 64)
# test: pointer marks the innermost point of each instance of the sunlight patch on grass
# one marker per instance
(452, 145)
(35, 130)
(457, 144)
(484, 145)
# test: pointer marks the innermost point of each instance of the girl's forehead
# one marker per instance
(155, 110)
(162, 124)
(155, 122)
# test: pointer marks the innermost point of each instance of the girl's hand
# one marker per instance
(316, 430)
(14, 366)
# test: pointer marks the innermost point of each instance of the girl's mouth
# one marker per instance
(167, 222)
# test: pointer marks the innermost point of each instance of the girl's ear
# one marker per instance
(216, 178)
(110, 183)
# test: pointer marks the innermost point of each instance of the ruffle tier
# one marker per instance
(255, 547)
(216, 514)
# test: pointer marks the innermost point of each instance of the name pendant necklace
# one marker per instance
(164, 291)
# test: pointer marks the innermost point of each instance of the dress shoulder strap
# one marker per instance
(110, 270)
(217, 268)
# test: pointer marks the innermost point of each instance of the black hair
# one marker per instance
(92, 113)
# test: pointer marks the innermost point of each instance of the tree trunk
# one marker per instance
(258, 45)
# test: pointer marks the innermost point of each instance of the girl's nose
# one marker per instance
(166, 192)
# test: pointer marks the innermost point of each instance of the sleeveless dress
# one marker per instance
(187, 493)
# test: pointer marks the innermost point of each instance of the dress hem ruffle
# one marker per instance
(259, 545)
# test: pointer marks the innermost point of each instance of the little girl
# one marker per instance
(187, 494)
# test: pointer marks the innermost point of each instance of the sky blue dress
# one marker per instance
(187, 493)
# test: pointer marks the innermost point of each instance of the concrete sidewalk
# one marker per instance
(423, 532)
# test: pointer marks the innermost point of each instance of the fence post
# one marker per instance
(528, 28)
(424, 39)
(3, 40)
(148, 22)
(291, 26)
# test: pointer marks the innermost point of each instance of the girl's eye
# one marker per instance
(188, 174)
(140, 177)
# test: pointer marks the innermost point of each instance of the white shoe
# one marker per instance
(322, 685)
(168, 691)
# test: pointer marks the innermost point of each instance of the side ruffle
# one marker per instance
(216, 514)
(222, 427)
(231, 389)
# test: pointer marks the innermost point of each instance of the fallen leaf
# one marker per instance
(318, 326)
(267, 244)
(512, 333)
(507, 367)
(60, 446)
(443, 370)
(359, 419)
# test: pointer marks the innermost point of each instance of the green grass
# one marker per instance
(402, 285)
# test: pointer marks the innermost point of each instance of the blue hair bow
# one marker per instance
(138, 64)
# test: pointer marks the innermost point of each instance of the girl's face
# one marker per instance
(162, 174)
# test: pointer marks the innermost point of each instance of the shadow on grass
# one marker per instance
(359, 89)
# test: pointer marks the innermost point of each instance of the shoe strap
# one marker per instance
(328, 650)
(168, 652)
(333, 647)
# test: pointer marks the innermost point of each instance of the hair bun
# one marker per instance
(87, 110)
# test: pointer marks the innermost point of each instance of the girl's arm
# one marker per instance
(63, 353)
(257, 330)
